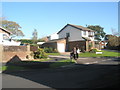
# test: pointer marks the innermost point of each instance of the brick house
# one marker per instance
(73, 35)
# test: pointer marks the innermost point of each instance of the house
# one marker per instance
(40, 43)
(103, 44)
(74, 36)
(77, 35)
(5, 38)
(53, 36)
(58, 44)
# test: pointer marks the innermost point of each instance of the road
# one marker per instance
(95, 73)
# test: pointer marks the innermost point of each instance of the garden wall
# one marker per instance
(1, 53)
(23, 52)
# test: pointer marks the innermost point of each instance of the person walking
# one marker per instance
(73, 54)
(78, 51)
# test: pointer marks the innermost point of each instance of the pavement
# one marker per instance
(83, 60)
(87, 73)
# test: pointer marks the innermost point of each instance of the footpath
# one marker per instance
(83, 60)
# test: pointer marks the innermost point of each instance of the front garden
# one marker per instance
(41, 60)
(103, 54)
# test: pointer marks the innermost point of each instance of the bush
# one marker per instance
(93, 50)
(83, 49)
(40, 54)
(50, 50)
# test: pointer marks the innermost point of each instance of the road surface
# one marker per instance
(96, 73)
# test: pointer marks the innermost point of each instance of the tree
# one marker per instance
(99, 34)
(12, 27)
(34, 34)
(26, 41)
(113, 41)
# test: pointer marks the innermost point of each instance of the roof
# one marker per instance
(55, 40)
(78, 27)
(5, 30)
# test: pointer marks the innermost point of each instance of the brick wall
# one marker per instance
(1, 53)
(33, 48)
(15, 48)
(80, 44)
(23, 52)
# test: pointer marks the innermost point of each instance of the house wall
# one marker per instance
(53, 36)
(75, 34)
(60, 45)
(50, 44)
(80, 44)
(87, 35)
(1, 31)
(1, 34)
(6, 40)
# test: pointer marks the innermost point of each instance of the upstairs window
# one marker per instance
(84, 32)
(90, 33)
(5, 36)
(67, 34)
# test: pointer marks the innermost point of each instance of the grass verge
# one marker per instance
(11, 68)
(104, 54)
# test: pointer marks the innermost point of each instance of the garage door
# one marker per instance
(61, 47)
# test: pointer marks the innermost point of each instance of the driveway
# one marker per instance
(104, 74)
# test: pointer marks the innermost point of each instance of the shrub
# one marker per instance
(83, 49)
(93, 50)
(40, 54)
(50, 50)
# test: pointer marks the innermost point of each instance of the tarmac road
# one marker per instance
(102, 74)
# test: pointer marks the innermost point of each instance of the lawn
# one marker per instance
(11, 68)
(104, 54)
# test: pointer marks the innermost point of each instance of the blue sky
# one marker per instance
(50, 17)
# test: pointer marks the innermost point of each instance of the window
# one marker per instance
(84, 32)
(67, 34)
(5, 36)
(90, 33)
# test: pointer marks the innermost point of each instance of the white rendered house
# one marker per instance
(72, 36)
(5, 38)
(53, 36)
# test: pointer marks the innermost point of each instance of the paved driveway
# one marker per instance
(97, 75)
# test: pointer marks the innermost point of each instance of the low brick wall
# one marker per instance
(15, 48)
(9, 55)
(23, 52)
(1, 53)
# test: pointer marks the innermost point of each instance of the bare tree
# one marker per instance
(114, 32)
(35, 34)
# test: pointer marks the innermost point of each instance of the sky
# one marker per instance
(50, 17)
